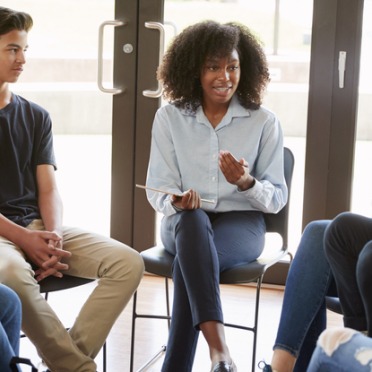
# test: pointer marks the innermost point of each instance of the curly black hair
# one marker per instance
(182, 64)
(13, 20)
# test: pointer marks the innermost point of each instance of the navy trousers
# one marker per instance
(204, 244)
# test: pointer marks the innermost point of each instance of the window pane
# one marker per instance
(362, 196)
(61, 75)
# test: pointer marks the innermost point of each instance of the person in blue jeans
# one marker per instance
(10, 326)
(348, 248)
(333, 258)
(303, 315)
(342, 350)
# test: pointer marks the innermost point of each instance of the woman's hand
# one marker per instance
(190, 199)
(235, 171)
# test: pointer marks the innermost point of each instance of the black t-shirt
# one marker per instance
(25, 142)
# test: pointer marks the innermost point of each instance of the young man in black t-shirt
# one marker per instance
(33, 239)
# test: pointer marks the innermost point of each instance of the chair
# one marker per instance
(54, 284)
(332, 300)
(159, 262)
(333, 304)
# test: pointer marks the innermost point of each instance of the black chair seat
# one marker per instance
(333, 304)
(158, 261)
(248, 272)
(52, 283)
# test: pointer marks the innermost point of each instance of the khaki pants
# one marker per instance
(119, 269)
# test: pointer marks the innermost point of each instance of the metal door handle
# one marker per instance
(341, 68)
(100, 57)
(157, 26)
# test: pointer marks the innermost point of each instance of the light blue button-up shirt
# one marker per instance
(185, 150)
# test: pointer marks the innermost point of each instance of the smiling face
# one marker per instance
(220, 79)
(13, 46)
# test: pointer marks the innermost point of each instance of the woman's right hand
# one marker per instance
(189, 200)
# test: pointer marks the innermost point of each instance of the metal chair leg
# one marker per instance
(104, 357)
(135, 315)
(153, 359)
(167, 301)
(256, 311)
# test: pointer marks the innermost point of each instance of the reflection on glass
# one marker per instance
(362, 195)
(61, 75)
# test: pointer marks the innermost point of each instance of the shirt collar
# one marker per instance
(235, 110)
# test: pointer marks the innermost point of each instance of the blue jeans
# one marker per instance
(348, 247)
(204, 244)
(303, 316)
(10, 326)
(342, 350)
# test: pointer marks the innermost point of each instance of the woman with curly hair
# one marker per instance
(214, 141)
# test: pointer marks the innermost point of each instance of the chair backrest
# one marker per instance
(279, 222)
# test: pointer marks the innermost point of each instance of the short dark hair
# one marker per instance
(13, 20)
(183, 62)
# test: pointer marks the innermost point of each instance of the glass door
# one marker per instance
(362, 196)
(102, 138)
(61, 75)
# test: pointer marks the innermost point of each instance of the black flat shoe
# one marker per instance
(224, 367)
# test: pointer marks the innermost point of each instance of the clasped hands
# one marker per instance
(44, 249)
(235, 171)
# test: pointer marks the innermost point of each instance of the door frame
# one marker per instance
(132, 218)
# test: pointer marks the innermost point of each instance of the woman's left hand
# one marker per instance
(190, 200)
(235, 171)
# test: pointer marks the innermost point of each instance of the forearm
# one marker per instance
(11, 231)
(50, 206)
(51, 210)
